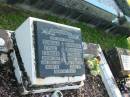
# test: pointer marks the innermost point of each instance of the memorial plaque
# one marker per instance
(58, 50)
(50, 51)
(125, 62)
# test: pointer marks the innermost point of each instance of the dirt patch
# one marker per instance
(9, 88)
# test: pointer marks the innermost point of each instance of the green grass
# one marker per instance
(11, 18)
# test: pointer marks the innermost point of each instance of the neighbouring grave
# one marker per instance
(99, 66)
(48, 56)
(119, 60)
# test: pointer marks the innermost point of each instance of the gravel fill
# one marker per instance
(9, 88)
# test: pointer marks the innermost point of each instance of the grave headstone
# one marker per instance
(118, 59)
(51, 53)
(92, 50)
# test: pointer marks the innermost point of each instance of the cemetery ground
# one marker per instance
(11, 18)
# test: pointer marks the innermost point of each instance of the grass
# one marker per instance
(11, 18)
